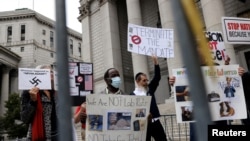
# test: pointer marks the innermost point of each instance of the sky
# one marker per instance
(46, 8)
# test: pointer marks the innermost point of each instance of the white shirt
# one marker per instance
(140, 92)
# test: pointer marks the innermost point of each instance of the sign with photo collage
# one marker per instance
(81, 81)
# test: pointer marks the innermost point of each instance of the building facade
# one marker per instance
(27, 40)
(104, 32)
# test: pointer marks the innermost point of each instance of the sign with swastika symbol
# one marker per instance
(28, 78)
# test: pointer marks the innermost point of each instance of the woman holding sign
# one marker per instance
(39, 111)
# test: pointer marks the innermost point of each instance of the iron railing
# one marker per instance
(174, 131)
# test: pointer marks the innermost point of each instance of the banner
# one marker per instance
(148, 41)
(116, 117)
(224, 92)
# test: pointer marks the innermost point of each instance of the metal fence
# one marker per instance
(175, 131)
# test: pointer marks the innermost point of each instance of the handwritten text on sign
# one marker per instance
(116, 117)
(148, 41)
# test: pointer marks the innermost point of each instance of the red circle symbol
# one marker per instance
(79, 79)
(136, 39)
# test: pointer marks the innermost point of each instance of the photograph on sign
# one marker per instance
(119, 120)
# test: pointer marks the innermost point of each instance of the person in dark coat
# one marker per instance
(143, 88)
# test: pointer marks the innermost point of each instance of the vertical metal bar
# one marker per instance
(64, 109)
(195, 78)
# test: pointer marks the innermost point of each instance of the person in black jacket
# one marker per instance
(143, 88)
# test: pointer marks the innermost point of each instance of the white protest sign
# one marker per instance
(148, 41)
(236, 30)
(223, 105)
(29, 78)
(116, 117)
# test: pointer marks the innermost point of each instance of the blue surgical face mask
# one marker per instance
(116, 81)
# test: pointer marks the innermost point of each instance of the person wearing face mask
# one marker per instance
(143, 88)
(113, 81)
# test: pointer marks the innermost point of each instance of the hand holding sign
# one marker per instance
(33, 93)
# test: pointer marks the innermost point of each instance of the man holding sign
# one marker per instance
(155, 128)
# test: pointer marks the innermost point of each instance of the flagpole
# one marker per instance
(33, 1)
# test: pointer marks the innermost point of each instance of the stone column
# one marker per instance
(85, 20)
(4, 89)
(14, 81)
(140, 63)
(213, 10)
(167, 21)
(110, 36)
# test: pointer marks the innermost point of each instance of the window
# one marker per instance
(52, 55)
(44, 32)
(22, 32)
(9, 34)
(158, 24)
(71, 46)
(71, 50)
(51, 39)
(79, 50)
(22, 49)
(44, 42)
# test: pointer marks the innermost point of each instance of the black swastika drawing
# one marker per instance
(35, 81)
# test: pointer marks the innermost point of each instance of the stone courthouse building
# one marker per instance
(27, 39)
(104, 34)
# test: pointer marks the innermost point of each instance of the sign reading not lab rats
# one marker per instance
(29, 78)
(236, 30)
(148, 41)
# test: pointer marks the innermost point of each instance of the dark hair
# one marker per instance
(137, 76)
(106, 74)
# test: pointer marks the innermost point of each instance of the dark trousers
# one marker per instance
(156, 131)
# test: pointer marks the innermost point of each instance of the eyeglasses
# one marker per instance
(145, 80)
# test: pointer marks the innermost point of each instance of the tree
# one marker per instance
(8, 122)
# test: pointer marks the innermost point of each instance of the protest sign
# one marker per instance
(148, 41)
(29, 78)
(224, 93)
(116, 117)
(80, 80)
(236, 30)
(216, 46)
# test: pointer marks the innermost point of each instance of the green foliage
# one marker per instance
(7, 123)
